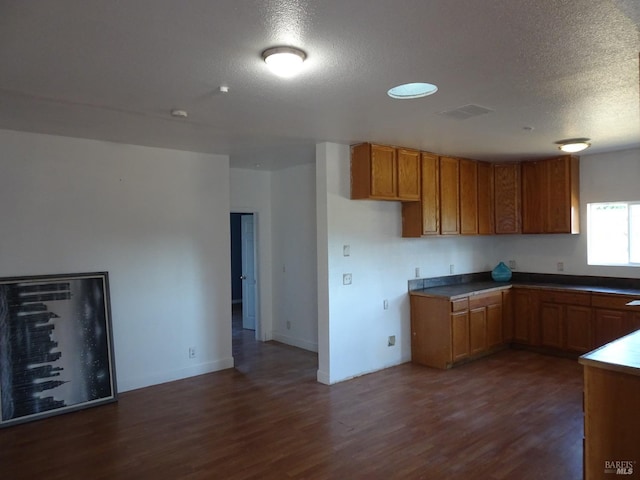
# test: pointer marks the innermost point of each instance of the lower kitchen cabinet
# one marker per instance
(610, 402)
(459, 336)
(525, 316)
(613, 318)
(565, 320)
(445, 332)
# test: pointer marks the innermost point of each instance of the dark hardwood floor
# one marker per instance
(514, 415)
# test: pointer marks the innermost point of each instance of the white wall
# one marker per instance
(294, 256)
(353, 326)
(157, 220)
(603, 178)
(251, 193)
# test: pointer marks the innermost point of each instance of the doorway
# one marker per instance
(245, 321)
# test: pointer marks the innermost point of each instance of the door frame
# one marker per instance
(256, 265)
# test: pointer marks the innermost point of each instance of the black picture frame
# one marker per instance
(56, 345)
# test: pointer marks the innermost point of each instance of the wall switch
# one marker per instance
(346, 250)
(512, 264)
(417, 272)
(561, 266)
(288, 325)
(452, 269)
(346, 279)
(385, 304)
(192, 352)
(392, 341)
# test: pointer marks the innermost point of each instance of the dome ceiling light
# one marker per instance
(573, 145)
(284, 61)
(412, 90)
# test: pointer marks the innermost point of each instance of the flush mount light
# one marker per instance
(284, 61)
(179, 113)
(573, 145)
(412, 90)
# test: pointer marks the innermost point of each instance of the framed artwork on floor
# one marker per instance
(56, 347)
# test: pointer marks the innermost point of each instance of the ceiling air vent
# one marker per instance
(466, 111)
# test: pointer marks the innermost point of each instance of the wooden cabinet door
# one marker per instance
(563, 195)
(460, 335)
(485, 198)
(423, 218)
(522, 316)
(495, 327)
(506, 184)
(430, 194)
(468, 197)
(608, 325)
(477, 330)
(507, 316)
(534, 196)
(551, 319)
(578, 328)
(408, 175)
(383, 172)
(449, 196)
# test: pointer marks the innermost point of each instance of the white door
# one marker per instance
(248, 274)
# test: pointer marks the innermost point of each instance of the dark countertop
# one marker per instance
(480, 287)
(622, 355)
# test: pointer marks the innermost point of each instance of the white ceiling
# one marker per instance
(113, 70)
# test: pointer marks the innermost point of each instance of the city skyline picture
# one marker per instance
(56, 349)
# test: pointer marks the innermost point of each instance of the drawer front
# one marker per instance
(618, 302)
(459, 305)
(570, 298)
(494, 298)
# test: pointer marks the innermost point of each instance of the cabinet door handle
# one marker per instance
(243, 277)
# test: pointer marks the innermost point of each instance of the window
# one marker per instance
(613, 234)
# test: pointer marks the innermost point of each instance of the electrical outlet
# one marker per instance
(192, 352)
(346, 279)
(288, 325)
(452, 269)
(512, 264)
(346, 250)
(392, 341)
(385, 304)
(561, 266)
(417, 272)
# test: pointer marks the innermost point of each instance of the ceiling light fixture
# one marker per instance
(573, 145)
(284, 61)
(179, 113)
(412, 90)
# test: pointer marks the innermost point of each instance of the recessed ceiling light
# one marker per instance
(284, 61)
(573, 145)
(412, 90)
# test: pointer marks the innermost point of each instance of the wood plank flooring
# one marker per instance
(514, 415)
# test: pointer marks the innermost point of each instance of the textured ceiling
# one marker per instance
(113, 70)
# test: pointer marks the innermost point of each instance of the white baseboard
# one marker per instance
(295, 342)
(127, 384)
(323, 377)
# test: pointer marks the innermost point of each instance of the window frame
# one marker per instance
(629, 230)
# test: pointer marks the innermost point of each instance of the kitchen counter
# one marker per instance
(622, 355)
(468, 289)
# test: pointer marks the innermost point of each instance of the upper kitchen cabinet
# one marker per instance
(423, 218)
(506, 188)
(550, 195)
(563, 190)
(468, 197)
(485, 198)
(449, 196)
(385, 173)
